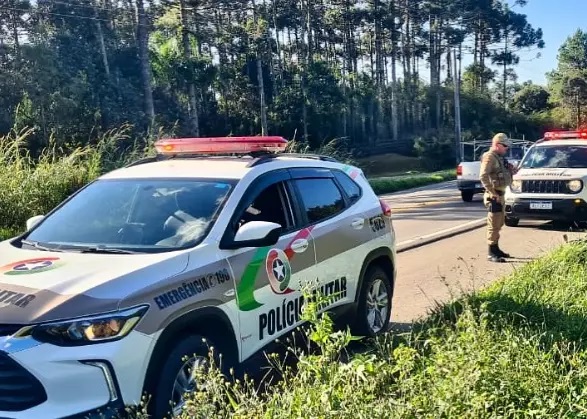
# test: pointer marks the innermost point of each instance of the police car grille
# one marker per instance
(544, 186)
(19, 389)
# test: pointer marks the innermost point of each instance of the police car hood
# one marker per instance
(38, 286)
(550, 174)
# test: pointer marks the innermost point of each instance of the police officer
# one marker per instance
(496, 175)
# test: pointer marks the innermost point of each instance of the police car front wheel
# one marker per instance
(177, 376)
(374, 304)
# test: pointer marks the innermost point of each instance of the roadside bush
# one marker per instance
(383, 185)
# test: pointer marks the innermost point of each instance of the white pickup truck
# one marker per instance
(468, 171)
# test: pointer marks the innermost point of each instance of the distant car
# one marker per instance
(213, 238)
(550, 184)
(468, 181)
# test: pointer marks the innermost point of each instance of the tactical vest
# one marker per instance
(499, 173)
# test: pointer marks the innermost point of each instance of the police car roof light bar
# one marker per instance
(220, 145)
(559, 135)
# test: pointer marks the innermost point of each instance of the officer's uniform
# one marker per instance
(496, 176)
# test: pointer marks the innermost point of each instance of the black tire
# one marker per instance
(467, 196)
(361, 325)
(512, 222)
(161, 382)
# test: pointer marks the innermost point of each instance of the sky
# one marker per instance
(558, 19)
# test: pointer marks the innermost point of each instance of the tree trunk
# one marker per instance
(260, 81)
(187, 52)
(394, 102)
(15, 19)
(264, 129)
(100, 36)
(142, 40)
(305, 60)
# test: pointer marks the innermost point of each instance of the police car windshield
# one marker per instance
(139, 215)
(515, 153)
(556, 157)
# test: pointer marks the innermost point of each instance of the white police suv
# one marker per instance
(550, 183)
(101, 299)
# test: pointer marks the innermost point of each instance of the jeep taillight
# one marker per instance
(459, 170)
(385, 208)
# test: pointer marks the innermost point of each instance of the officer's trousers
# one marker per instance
(495, 219)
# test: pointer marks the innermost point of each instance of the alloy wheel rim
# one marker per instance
(377, 306)
(185, 383)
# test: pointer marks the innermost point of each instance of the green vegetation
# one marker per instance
(512, 350)
(306, 70)
(383, 185)
(32, 186)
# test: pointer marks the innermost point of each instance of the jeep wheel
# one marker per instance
(512, 222)
(175, 377)
(467, 196)
(374, 303)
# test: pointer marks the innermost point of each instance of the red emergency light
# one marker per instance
(559, 135)
(220, 145)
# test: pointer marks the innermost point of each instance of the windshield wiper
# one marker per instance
(98, 249)
(39, 246)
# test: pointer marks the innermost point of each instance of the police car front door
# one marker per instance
(269, 279)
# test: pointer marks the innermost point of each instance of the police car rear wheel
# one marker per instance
(176, 380)
(374, 304)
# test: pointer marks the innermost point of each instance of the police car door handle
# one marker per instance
(300, 245)
(358, 223)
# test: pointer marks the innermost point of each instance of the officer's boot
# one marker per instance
(493, 254)
(500, 252)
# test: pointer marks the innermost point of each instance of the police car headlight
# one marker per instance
(575, 185)
(87, 330)
(516, 186)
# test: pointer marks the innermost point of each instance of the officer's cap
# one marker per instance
(501, 138)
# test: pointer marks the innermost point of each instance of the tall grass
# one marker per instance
(34, 186)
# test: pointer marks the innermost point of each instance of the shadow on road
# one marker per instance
(563, 227)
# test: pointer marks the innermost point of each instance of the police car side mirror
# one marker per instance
(255, 234)
(33, 221)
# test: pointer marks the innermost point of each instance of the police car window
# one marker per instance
(321, 198)
(350, 187)
(135, 214)
(544, 157)
(270, 205)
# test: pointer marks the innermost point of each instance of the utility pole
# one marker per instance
(457, 88)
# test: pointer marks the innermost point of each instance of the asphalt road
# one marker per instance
(431, 210)
(439, 271)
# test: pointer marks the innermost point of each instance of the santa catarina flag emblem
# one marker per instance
(278, 271)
